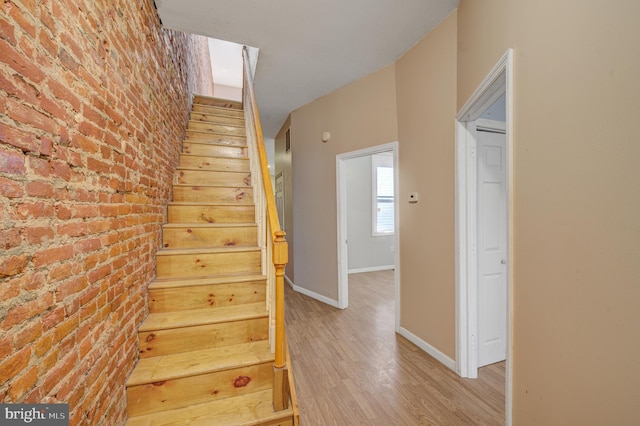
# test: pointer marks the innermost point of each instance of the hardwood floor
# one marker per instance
(351, 368)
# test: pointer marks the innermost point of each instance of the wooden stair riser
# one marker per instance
(211, 236)
(186, 339)
(217, 103)
(195, 162)
(212, 194)
(196, 265)
(211, 214)
(217, 119)
(254, 409)
(225, 129)
(199, 177)
(205, 296)
(182, 392)
(209, 109)
(213, 138)
(209, 150)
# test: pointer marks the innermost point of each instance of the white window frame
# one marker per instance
(383, 159)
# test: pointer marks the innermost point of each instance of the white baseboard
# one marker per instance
(312, 294)
(371, 269)
(445, 360)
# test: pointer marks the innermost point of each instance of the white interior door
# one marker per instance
(492, 247)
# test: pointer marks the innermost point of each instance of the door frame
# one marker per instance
(341, 192)
(498, 82)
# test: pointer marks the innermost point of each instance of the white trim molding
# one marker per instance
(372, 269)
(312, 294)
(431, 350)
(498, 82)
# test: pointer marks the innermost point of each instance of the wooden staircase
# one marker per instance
(205, 357)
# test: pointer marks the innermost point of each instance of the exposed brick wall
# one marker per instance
(95, 97)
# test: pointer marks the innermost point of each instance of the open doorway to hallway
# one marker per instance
(367, 215)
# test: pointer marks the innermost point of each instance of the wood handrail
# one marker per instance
(280, 248)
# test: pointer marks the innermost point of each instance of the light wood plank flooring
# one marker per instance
(351, 368)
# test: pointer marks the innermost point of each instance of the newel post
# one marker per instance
(281, 383)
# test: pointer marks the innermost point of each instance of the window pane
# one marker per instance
(384, 200)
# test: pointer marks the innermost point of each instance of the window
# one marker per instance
(383, 199)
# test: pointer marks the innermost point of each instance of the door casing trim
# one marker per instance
(499, 81)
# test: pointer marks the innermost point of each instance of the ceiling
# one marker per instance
(307, 48)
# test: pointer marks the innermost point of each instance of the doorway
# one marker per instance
(342, 161)
(484, 280)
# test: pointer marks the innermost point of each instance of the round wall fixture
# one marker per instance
(326, 136)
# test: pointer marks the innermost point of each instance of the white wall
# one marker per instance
(365, 251)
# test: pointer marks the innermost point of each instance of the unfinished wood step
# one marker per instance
(214, 138)
(218, 102)
(217, 110)
(253, 409)
(214, 150)
(217, 119)
(166, 295)
(212, 194)
(179, 380)
(216, 178)
(203, 262)
(209, 235)
(185, 212)
(226, 129)
(165, 333)
(199, 162)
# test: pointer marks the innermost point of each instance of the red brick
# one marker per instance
(99, 273)
(98, 166)
(64, 329)
(52, 318)
(62, 170)
(38, 235)
(22, 384)
(12, 265)
(40, 166)
(24, 22)
(48, 42)
(46, 146)
(9, 238)
(10, 188)
(11, 162)
(84, 143)
(71, 287)
(18, 138)
(28, 115)
(7, 32)
(28, 334)
(56, 374)
(34, 210)
(16, 86)
(60, 272)
(27, 310)
(49, 256)
(10, 289)
(14, 364)
(39, 189)
(6, 346)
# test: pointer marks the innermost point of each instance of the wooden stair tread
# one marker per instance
(199, 142)
(210, 225)
(187, 364)
(217, 102)
(206, 250)
(160, 283)
(204, 204)
(194, 317)
(250, 409)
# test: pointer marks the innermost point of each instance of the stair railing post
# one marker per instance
(280, 388)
